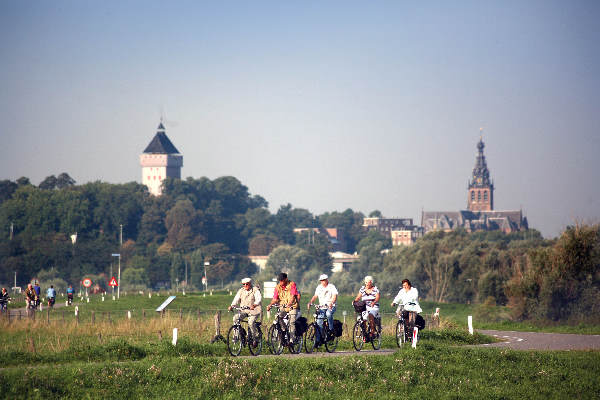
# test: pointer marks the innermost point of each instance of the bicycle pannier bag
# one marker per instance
(301, 325)
(337, 327)
(420, 322)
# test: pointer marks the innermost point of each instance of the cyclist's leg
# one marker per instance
(293, 314)
(329, 315)
(320, 333)
(282, 315)
(252, 325)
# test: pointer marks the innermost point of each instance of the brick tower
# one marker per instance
(481, 189)
(160, 160)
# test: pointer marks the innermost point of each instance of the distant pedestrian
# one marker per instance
(30, 297)
(70, 292)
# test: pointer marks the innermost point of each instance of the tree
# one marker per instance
(262, 245)
(375, 214)
(184, 224)
(64, 181)
(48, 183)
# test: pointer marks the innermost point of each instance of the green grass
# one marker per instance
(435, 371)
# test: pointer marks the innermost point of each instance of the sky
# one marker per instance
(324, 105)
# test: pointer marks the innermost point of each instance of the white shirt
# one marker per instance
(410, 299)
(325, 294)
(236, 299)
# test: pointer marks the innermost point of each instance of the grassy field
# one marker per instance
(124, 358)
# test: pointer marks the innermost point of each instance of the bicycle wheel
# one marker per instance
(310, 338)
(234, 340)
(358, 338)
(400, 333)
(255, 350)
(331, 341)
(296, 347)
(274, 339)
(376, 340)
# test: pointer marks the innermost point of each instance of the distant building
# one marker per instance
(160, 160)
(480, 214)
(402, 231)
(407, 236)
(334, 235)
(260, 261)
(342, 261)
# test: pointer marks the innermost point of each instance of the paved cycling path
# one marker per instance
(542, 341)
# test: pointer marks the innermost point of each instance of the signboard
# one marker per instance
(269, 291)
(204, 280)
(165, 303)
(113, 282)
(87, 282)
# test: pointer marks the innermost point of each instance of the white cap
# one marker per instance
(246, 280)
(323, 277)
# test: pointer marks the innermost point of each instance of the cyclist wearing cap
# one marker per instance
(249, 298)
(327, 294)
(287, 295)
(370, 295)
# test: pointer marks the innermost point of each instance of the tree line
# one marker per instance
(164, 241)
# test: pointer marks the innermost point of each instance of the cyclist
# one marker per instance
(38, 292)
(287, 295)
(51, 295)
(30, 296)
(4, 297)
(70, 292)
(408, 297)
(249, 298)
(370, 295)
(327, 294)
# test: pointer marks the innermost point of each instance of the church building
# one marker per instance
(160, 160)
(480, 213)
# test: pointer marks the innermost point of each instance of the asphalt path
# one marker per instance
(542, 341)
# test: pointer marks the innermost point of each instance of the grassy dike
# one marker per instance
(431, 371)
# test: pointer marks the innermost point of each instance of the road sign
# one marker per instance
(204, 280)
(87, 282)
(113, 282)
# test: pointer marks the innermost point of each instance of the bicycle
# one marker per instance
(237, 337)
(313, 331)
(278, 339)
(360, 332)
(403, 333)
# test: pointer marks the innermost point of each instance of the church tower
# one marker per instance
(160, 160)
(481, 189)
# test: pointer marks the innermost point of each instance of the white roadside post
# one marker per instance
(128, 314)
(470, 322)
(174, 336)
(76, 310)
(415, 337)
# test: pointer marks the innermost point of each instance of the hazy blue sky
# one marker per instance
(326, 105)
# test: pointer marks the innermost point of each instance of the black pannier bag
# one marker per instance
(301, 325)
(338, 327)
(420, 322)
(359, 306)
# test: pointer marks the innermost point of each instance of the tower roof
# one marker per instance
(481, 174)
(161, 143)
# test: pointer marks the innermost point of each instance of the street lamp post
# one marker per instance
(119, 276)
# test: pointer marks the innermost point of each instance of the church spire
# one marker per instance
(481, 188)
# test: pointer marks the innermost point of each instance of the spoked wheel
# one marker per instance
(310, 338)
(255, 350)
(376, 341)
(331, 342)
(400, 333)
(296, 347)
(274, 339)
(234, 340)
(358, 339)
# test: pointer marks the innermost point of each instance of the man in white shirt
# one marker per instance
(249, 298)
(327, 294)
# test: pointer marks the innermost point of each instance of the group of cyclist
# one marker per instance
(287, 297)
(33, 295)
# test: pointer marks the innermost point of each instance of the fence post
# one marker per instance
(31, 345)
(48, 315)
(19, 314)
(94, 318)
(63, 316)
(159, 335)
(100, 337)
(109, 317)
(217, 328)
(143, 314)
(180, 314)
(199, 323)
